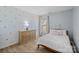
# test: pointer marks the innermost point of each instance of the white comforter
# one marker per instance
(59, 43)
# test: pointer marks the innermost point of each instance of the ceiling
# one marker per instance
(41, 10)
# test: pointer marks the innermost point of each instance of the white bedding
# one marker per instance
(58, 43)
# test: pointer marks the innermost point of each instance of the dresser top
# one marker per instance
(27, 31)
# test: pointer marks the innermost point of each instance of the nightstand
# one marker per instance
(26, 36)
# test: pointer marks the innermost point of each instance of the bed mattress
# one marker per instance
(58, 43)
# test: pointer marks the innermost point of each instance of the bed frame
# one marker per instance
(51, 50)
(54, 51)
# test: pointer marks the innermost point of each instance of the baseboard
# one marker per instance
(9, 46)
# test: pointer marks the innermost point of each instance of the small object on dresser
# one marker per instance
(26, 24)
(26, 28)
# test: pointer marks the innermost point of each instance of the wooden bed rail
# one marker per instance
(51, 50)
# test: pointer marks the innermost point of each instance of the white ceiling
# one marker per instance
(40, 10)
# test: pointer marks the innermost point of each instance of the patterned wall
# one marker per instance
(12, 21)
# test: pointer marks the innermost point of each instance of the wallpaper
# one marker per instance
(11, 22)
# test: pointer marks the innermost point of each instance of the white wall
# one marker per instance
(12, 21)
(76, 25)
(62, 19)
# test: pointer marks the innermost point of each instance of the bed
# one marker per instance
(56, 41)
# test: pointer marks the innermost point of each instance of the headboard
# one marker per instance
(65, 31)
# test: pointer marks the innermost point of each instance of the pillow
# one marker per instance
(58, 32)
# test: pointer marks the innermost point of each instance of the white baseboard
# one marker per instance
(7, 45)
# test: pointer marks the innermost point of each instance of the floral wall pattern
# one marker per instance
(11, 22)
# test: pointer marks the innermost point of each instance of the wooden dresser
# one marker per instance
(26, 36)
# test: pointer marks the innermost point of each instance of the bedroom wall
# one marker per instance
(62, 20)
(76, 26)
(11, 22)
